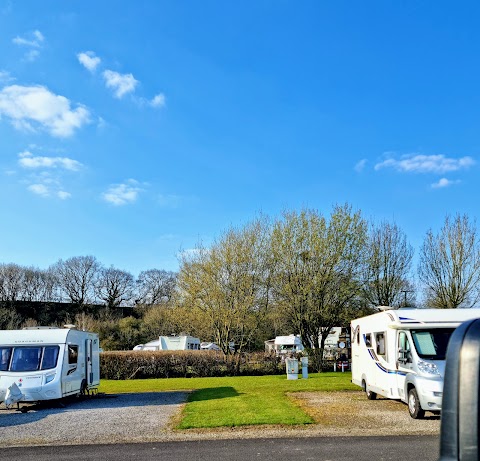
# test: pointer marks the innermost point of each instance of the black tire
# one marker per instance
(370, 394)
(414, 408)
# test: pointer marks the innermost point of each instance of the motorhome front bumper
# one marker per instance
(430, 392)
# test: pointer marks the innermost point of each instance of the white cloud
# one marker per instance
(28, 160)
(61, 194)
(122, 194)
(443, 182)
(121, 84)
(30, 107)
(5, 77)
(418, 163)
(89, 60)
(158, 100)
(32, 39)
(39, 189)
(359, 167)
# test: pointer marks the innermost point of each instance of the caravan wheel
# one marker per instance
(414, 407)
(83, 388)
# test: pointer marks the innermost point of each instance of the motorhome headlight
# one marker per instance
(428, 368)
(49, 378)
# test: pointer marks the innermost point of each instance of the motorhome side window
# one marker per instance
(380, 342)
(368, 340)
(72, 354)
(404, 354)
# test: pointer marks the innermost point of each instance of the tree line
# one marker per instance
(303, 272)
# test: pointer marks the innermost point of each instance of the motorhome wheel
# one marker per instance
(370, 394)
(414, 407)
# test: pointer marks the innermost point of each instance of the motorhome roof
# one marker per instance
(418, 318)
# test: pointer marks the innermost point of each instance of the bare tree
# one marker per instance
(11, 282)
(155, 286)
(449, 264)
(387, 266)
(114, 287)
(76, 278)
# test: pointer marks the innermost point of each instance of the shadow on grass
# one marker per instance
(213, 393)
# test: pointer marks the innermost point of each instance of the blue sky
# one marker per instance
(132, 130)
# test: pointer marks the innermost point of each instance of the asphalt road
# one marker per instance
(425, 448)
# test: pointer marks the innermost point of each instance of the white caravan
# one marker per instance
(287, 344)
(171, 343)
(400, 354)
(48, 363)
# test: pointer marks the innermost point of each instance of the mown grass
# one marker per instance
(237, 401)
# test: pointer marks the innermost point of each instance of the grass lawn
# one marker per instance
(237, 401)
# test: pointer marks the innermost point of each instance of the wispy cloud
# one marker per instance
(360, 166)
(121, 84)
(418, 163)
(169, 201)
(28, 160)
(45, 175)
(5, 77)
(444, 182)
(123, 194)
(33, 41)
(89, 60)
(32, 107)
(158, 100)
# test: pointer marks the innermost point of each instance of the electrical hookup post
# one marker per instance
(291, 364)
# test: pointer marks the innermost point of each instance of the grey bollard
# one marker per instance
(460, 406)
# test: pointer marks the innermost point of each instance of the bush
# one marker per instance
(185, 364)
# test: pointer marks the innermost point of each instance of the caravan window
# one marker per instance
(28, 358)
(50, 356)
(5, 354)
(72, 354)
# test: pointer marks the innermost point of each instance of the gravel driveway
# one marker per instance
(138, 417)
(147, 417)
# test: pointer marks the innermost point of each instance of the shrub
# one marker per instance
(185, 364)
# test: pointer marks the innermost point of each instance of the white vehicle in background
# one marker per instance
(45, 363)
(290, 344)
(171, 343)
(400, 354)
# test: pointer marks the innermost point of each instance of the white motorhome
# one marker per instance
(48, 363)
(400, 354)
(171, 343)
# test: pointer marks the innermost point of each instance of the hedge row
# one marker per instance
(185, 364)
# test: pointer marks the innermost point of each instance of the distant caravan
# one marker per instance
(171, 343)
(400, 354)
(45, 363)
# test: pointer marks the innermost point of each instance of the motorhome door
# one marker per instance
(404, 361)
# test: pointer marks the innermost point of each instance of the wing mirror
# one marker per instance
(459, 437)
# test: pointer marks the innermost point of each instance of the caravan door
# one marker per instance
(404, 362)
(89, 361)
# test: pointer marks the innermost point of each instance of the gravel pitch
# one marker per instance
(150, 417)
(138, 417)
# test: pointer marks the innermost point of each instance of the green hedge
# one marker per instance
(185, 364)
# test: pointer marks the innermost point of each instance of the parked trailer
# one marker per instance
(400, 354)
(48, 363)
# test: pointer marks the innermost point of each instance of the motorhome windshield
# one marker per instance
(432, 344)
(28, 358)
